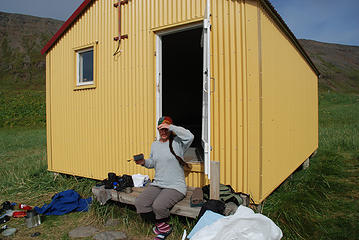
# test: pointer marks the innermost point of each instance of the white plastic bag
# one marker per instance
(244, 224)
(140, 180)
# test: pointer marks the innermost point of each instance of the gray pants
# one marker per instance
(159, 200)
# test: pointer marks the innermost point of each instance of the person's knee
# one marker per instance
(158, 207)
(138, 203)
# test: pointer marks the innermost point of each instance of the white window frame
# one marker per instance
(78, 53)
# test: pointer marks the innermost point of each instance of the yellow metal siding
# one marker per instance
(227, 66)
(245, 73)
(253, 98)
(48, 111)
(258, 80)
(95, 131)
(290, 121)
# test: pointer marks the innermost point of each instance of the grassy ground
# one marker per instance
(318, 203)
(24, 179)
(24, 108)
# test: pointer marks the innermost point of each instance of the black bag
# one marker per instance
(124, 182)
(108, 182)
(112, 177)
(216, 206)
(117, 182)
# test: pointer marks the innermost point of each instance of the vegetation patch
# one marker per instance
(25, 108)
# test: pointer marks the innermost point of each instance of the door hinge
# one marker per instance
(207, 24)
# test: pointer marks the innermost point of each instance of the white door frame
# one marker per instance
(159, 36)
(206, 109)
(158, 80)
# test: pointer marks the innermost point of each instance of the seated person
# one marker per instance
(169, 186)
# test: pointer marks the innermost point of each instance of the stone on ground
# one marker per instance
(110, 235)
(83, 231)
(112, 222)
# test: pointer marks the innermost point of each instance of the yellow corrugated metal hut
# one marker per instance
(231, 71)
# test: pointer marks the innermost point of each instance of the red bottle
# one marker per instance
(19, 214)
(24, 207)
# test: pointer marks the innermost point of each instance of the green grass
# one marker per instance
(318, 203)
(322, 201)
(24, 179)
(24, 108)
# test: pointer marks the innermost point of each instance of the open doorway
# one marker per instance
(182, 83)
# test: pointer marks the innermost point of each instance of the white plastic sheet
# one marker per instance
(243, 225)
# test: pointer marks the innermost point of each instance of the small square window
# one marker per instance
(85, 66)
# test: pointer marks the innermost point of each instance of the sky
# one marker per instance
(322, 20)
(330, 21)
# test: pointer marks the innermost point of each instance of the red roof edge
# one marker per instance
(66, 26)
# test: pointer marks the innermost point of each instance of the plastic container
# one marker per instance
(32, 219)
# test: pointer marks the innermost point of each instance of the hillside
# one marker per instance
(21, 38)
(23, 67)
(338, 65)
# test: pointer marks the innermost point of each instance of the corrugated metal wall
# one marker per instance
(290, 107)
(279, 107)
(228, 70)
(94, 131)
(257, 71)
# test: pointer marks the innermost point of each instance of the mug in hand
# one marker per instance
(138, 157)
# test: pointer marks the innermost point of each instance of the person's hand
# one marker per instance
(140, 162)
(163, 126)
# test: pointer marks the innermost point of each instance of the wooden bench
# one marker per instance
(182, 208)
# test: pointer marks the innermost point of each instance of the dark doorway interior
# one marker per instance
(182, 81)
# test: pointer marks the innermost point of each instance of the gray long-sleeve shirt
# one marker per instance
(168, 172)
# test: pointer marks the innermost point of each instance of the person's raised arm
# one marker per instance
(183, 134)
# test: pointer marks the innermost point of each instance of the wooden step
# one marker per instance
(182, 208)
